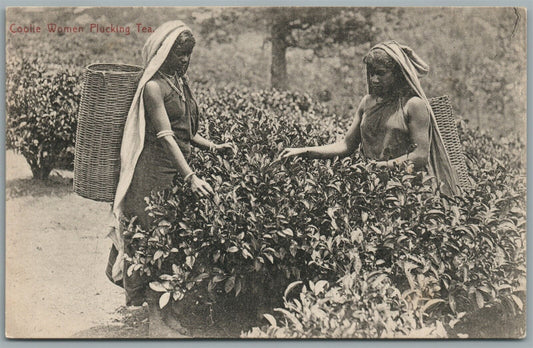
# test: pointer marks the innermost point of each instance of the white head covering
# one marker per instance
(154, 53)
(413, 67)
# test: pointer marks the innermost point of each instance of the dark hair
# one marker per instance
(378, 56)
(184, 42)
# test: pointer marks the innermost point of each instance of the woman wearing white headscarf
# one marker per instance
(394, 122)
(160, 129)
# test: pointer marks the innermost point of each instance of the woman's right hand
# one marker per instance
(201, 187)
(292, 151)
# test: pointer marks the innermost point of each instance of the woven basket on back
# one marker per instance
(107, 93)
(442, 108)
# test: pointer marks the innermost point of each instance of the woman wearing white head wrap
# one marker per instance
(394, 122)
(161, 126)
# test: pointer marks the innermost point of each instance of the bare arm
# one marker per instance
(155, 109)
(341, 148)
(205, 144)
(202, 142)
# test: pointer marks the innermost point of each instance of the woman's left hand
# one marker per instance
(227, 148)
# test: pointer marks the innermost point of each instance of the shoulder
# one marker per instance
(367, 98)
(417, 110)
(154, 84)
(363, 105)
(153, 90)
(416, 105)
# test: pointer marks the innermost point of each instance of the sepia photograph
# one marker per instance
(265, 172)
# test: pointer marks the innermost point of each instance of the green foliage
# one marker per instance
(476, 71)
(362, 305)
(225, 242)
(380, 253)
(41, 113)
(316, 28)
(452, 259)
(272, 223)
(483, 71)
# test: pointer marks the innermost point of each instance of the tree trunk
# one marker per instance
(278, 64)
(40, 172)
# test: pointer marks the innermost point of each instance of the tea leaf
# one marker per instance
(270, 319)
(157, 286)
(518, 301)
(290, 287)
(230, 284)
(163, 300)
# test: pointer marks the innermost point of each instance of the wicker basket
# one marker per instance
(442, 108)
(107, 93)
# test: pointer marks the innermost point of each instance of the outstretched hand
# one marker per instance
(201, 187)
(292, 152)
(227, 148)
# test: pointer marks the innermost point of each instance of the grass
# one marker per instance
(56, 185)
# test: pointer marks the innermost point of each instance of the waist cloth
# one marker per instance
(155, 171)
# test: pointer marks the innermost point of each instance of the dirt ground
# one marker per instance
(56, 253)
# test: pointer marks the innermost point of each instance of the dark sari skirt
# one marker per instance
(154, 172)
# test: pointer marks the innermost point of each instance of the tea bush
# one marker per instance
(361, 305)
(41, 112)
(378, 238)
(454, 259)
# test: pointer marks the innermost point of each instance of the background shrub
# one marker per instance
(42, 104)
(483, 87)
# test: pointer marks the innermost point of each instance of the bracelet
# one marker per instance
(164, 133)
(188, 176)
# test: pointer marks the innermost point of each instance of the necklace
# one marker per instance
(170, 80)
(173, 76)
